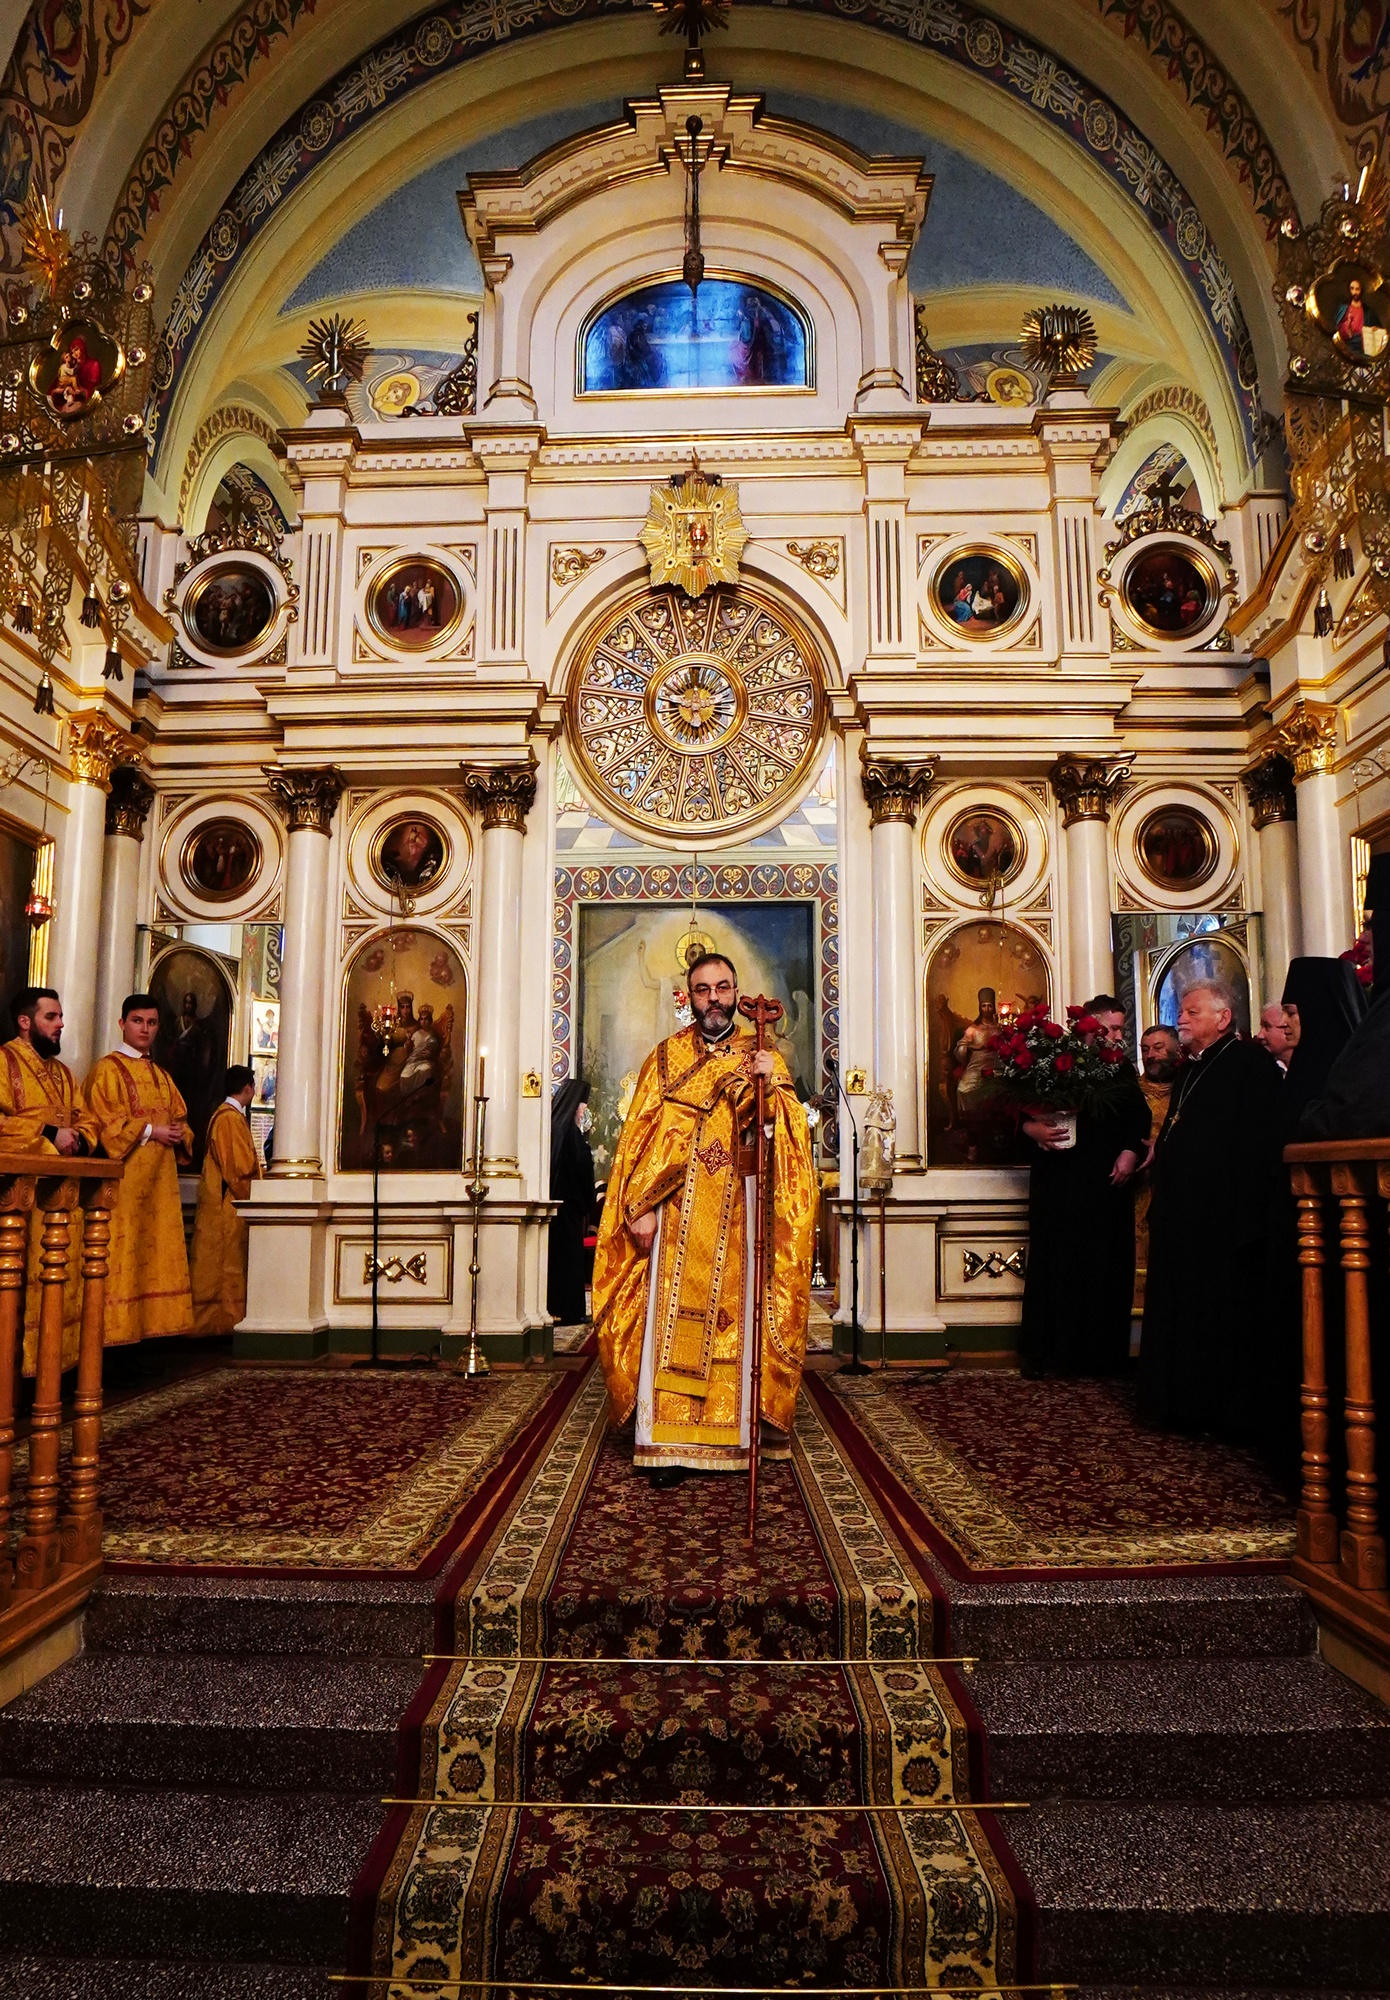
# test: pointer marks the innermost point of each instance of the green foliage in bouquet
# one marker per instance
(1041, 1066)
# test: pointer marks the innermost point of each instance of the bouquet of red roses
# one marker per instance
(1045, 1067)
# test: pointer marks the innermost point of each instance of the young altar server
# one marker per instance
(219, 1233)
(40, 1113)
(141, 1119)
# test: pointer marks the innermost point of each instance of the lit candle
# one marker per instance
(482, 1072)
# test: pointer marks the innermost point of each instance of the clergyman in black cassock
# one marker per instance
(572, 1185)
(1207, 1327)
(1080, 1284)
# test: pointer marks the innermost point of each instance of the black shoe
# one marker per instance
(665, 1476)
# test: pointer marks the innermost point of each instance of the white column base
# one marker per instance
(286, 1295)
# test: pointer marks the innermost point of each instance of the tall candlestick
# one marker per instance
(482, 1072)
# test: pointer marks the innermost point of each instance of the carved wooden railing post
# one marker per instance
(40, 1549)
(16, 1198)
(81, 1530)
(1317, 1517)
(1363, 1545)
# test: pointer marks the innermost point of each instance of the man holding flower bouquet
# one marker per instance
(1080, 1104)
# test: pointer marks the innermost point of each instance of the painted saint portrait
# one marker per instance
(1204, 958)
(1348, 304)
(230, 609)
(414, 604)
(195, 1019)
(984, 846)
(220, 859)
(75, 370)
(1176, 847)
(728, 335)
(979, 592)
(632, 993)
(401, 1098)
(981, 977)
(1168, 591)
(410, 853)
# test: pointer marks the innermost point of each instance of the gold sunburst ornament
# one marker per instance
(694, 533)
(1061, 340)
(335, 353)
(46, 248)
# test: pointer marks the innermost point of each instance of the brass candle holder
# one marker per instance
(476, 1190)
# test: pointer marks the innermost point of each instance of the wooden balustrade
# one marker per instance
(48, 1569)
(1341, 1557)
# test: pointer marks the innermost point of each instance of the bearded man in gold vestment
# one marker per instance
(142, 1119)
(673, 1268)
(40, 1113)
(220, 1237)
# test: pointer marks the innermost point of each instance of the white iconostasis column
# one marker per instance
(1086, 790)
(1269, 787)
(97, 746)
(895, 793)
(501, 795)
(1308, 738)
(127, 809)
(307, 801)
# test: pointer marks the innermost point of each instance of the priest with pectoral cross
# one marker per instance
(674, 1266)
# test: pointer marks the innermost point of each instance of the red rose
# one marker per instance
(1053, 1030)
(1064, 1063)
(1025, 1060)
(1087, 1024)
(986, 1072)
(1073, 1013)
(1110, 1054)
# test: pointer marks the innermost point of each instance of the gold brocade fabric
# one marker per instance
(679, 1152)
(1157, 1095)
(219, 1233)
(147, 1291)
(35, 1093)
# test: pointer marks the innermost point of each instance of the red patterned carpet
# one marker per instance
(748, 1702)
(280, 1468)
(1016, 1475)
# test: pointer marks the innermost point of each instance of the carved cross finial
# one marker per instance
(762, 1012)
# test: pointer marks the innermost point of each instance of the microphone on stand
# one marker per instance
(855, 1365)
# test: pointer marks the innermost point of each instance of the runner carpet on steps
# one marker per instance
(554, 1712)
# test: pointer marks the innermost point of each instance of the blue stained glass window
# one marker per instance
(730, 335)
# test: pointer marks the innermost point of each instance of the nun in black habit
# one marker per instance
(572, 1185)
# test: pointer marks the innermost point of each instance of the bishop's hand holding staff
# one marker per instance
(673, 1270)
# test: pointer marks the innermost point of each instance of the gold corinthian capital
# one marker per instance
(501, 794)
(894, 788)
(1269, 788)
(97, 745)
(1088, 787)
(1307, 736)
(306, 798)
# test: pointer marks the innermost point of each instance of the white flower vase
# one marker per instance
(1067, 1121)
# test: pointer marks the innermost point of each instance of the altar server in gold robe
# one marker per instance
(219, 1233)
(673, 1269)
(40, 1113)
(142, 1119)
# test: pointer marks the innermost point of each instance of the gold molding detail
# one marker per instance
(128, 802)
(1088, 788)
(501, 794)
(568, 565)
(1307, 736)
(306, 798)
(97, 745)
(894, 789)
(818, 559)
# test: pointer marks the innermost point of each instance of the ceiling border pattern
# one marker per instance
(414, 56)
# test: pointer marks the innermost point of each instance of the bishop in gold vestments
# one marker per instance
(674, 1326)
(132, 1100)
(38, 1100)
(219, 1233)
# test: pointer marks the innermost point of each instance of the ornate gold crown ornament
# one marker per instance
(1060, 341)
(694, 533)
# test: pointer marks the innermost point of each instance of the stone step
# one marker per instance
(1178, 1895)
(146, 1979)
(179, 1874)
(271, 1724)
(1254, 1729)
(342, 1617)
(1160, 1617)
